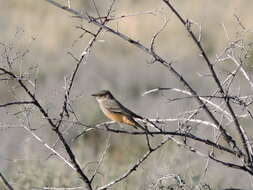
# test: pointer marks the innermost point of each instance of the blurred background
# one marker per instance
(40, 36)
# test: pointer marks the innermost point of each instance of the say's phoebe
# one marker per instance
(115, 111)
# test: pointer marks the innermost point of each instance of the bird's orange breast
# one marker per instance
(119, 118)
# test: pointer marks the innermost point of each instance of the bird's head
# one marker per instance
(103, 94)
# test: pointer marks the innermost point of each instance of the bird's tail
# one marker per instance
(141, 127)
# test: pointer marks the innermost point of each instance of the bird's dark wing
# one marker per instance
(128, 112)
(116, 107)
(132, 114)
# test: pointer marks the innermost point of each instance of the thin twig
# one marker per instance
(157, 58)
(134, 167)
(231, 165)
(217, 81)
(101, 158)
(242, 70)
(83, 58)
(53, 126)
(49, 147)
(188, 93)
(105, 127)
(16, 103)
(5, 181)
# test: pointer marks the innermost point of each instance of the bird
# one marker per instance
(115, 111)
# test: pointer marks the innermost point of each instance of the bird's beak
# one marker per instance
(94, 95)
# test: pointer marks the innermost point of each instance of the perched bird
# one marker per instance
(115, 111)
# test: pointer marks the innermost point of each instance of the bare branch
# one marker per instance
(157, 58)
(242, 70)
(16, 103)
(188, 93)
(151, 12)
(53, 125)
(105, 127)
(228, 164)
(48, 147)
(217, 81)
(83, 58)
(157, 34)
(134, 167)
(101, 158)
(5, 181)
(59, 188)
(239, 22)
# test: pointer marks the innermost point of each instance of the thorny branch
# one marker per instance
(106, 127)
(134, 167)
(188, 93)
(49, 147)
(52, 124)
(16, 103)
(159, 59)
(240, 130)
(231, 116)
(101, 159)
(231, 165)
(83, 58)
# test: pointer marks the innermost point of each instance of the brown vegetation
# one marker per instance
(184, 66)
